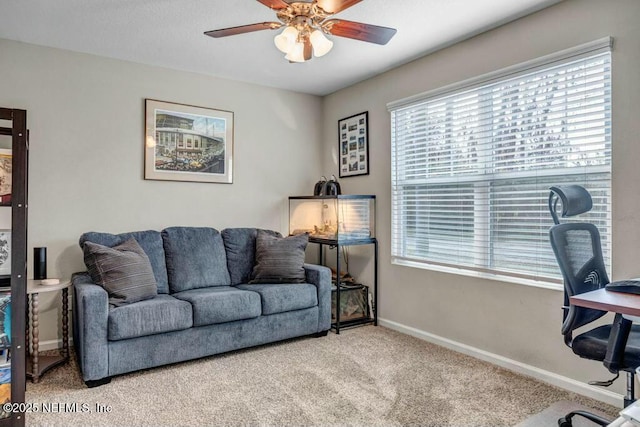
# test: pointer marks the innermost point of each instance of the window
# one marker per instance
(472, 164)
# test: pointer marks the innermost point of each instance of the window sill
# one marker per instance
(480, 274)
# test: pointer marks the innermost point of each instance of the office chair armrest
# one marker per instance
(617, 343)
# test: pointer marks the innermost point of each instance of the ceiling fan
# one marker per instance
(306, 24)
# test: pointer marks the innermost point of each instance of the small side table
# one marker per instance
(38, 364)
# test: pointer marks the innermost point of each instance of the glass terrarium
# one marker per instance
(340, 218)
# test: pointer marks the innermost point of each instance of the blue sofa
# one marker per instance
(204, 305)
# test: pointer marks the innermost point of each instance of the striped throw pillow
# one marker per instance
(279, 260)
(124, 271)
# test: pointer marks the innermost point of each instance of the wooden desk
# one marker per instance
(601, 299)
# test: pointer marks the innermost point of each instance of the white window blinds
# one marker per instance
(472, 165)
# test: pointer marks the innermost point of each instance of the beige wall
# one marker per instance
(86, 117)
(86, 166)
(514, 321)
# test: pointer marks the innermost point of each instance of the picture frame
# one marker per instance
(353, 145)
(187, 143)
(5, 176)
(5, 252)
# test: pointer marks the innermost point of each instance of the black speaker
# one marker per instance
(39, 263)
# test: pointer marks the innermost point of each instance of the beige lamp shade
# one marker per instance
(321, 44)
(286, 39)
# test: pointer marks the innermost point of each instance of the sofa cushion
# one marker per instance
(150, 241)
(124, 271)
(279, 298)
(195, 258)
(221, 304)
(240, 244)
(163, 313)
(279, 260)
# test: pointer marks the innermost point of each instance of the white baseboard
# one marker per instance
(557, 380)
(52, 345)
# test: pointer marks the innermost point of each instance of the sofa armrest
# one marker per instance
(320, 276)
(90, 321)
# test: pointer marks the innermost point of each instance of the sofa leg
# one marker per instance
(98, 383)
(321, 334)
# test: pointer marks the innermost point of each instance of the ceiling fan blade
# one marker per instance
(232, 31)
(275, 4)
(359, 31)
(308, 50)
(335, 6)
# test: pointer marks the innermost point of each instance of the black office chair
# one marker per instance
(579, 254)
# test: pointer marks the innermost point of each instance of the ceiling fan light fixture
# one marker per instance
(305, 25)
(286, 40)
(321, 44)
(296, 54)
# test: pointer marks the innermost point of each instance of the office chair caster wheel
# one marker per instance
(566, 421)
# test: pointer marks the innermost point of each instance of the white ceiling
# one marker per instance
(169, 33)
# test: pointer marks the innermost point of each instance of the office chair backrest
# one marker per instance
(578, 251)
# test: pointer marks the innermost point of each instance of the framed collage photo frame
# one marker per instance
(5, 176)
(353, 145)
(5, 252)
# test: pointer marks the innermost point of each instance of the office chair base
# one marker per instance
(566, 420)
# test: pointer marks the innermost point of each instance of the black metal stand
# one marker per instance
(337, 325)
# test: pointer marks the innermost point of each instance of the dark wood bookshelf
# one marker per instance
(17, 284)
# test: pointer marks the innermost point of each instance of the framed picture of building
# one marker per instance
(187, 143)
(353, 145)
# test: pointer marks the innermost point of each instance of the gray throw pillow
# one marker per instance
(124, 271)
(279, 260)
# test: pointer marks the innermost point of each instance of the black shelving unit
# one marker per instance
(337, 325)
(18, 279)
(341, 242)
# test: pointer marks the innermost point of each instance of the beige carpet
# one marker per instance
(368, 376)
